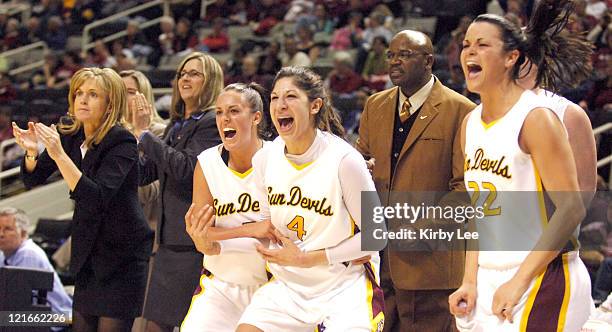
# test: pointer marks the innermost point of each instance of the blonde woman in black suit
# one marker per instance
(97, 157)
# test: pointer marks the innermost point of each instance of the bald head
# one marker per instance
(420, 40)
(410, 58)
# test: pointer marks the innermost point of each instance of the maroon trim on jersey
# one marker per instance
(546, 310)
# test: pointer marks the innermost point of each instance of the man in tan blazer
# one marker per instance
(409, 135)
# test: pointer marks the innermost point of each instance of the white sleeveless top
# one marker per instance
(495, 169)
(236, 201)
(306, 205)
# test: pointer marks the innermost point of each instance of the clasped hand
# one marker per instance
(28, 139)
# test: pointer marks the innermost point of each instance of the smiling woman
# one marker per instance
(97, 157)
(224, 180)
(315, 180)
(545, 286)
(172, 160)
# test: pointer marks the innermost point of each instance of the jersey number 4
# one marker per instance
(488, 210)
(297, 225)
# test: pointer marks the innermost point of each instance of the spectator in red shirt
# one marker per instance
(217, 41)
(7, 91)
(343, 79)
(185, 38)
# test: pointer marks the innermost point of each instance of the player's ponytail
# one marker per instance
(266, 128)
(562, 60)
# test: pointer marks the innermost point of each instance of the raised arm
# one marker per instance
(180, 164)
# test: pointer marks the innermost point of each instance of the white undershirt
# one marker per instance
(354, 178)
(83, 150)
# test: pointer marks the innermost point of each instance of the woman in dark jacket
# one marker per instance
(97, 158)
(176, 268)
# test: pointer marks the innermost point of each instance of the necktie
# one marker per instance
(405, 112)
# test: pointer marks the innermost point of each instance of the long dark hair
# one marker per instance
(562, 60)
(326, 119)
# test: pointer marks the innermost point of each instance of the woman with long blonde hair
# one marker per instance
(141, 115)
(97, 157)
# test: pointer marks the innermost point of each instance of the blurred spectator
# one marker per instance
(596, 8)
(240, 13)
(125, 61)
(518, 10)
(46, 9)
(32, 32)
(599, 34)
(292, 56)
(249, 74)
(600, 97)
(376, 66)
(233, 67)
(323, 23)
(6, 129)
(317, 20)
(166, 38)
(456, 80)
(218, 9)
(3, 20)
(57, 74)
(185, 39)
(298, 9)
(269, 13)
(269, 62)
(55, 35)
(305, 40)
(11, 35)
(217, 41)
(603, 52)
(21, 251)
(100, 56)
(7, 91)
(343, 79)
(585, 20)
(455, 44)
(348, 36)
(135, 40)
(375, 27)
(79, 13)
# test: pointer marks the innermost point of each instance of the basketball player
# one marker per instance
(578, 127)
(224, 183)
(313, 179)
(545, 288)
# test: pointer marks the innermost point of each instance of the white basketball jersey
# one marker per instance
(558, 104)
(306, 205)
(236, 201)
(495, 166)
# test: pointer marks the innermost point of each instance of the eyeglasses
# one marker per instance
(402, 55)
(190, 74)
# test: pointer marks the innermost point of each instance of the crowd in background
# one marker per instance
(353, 34)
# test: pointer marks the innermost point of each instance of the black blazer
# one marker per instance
(173, 163)
(109, 231)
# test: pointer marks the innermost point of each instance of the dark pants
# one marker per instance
(174, 278)
(415, 310)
